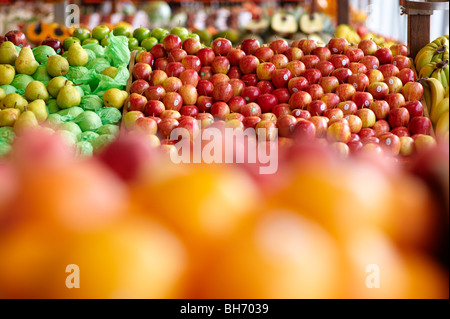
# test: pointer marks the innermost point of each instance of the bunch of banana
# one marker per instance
(435, 51)
(437, 70)
(437, 99)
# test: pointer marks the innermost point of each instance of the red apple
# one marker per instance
(316, 91)
(337, 45)
(219, 77)
(267, 102)
(205, 87)
(145, 57)
(190, 124)
(268, 116)
(177, 55)
(370, 62)
(171, 42)
(236, 103)
(189, 110)
(235, 56)
(279, 60)
(300, 100)
(321, 125)
(357, 67)
(157, 77)
(375, 75)
(251, 109)
(285, 125)
(345, 91)
(251, 121)
(354, 55)
(323, 53)
(221, 46)
(395, 100)
(354, 146)
(310, 61)
(359, 80)
(264, 71)
(188, 94)
(368, 47)
(301, 114)
(17, 37)
(237, 85)
(384, 55)
(166, 126)
(139, 86)
(340, 61)
(348, 107)
(220, 110)
(172, 84)
(235, 116)
(401, 131)
(191, 62)
(223, 92)
(378, 90)
(265, 86)
(355, 124)
(401, 62)
(204, 103)
(251, 93)
(142, 71)
(248, 64)
(135, 102)
(161, 64)
(297, 84)
(312, 75)
(367, 117)
(342, 74)
(316, 108)
(281, 109)
(415, 108)
(220, 64)
(266, 130)
(206, 119)
(307, 46)
(250, 79)
(205, 73)
(146, 125)
(407, 146)
(333, 113)
(191, 46)
(154, 108)
(394, 84)
(339, 132)
(381, 127)
(173, 101)
(329, 84)
(156, 93)
(362, 99)
(325, 67)
(380, 108)
(279, 46)
(399, 50)
(390, 143)
(406, 75)
(388, 70)
(304, 131)
(249, 46)
(234, 72)
(366, 133)
(174, 69)
(293, 54)
(190, 76)
(281, 77)
(297, 68)
(412, 91)
(264, 54)
(398, 117)
(420, 125)
(282, 95)
(158, 51)
(206, 56)
(331, 100)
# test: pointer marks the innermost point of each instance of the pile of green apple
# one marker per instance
(140, 39)
(64, 94)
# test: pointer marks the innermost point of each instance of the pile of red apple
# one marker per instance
(355, 97)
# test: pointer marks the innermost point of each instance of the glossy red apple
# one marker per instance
(301, 114)
(223, 92)
(401, 62)
(323, 53)
(172, 84)
(316, 108)
(234, 72)
(381, 127)
(378, 90)
(204, 103)
(139, 86)
(145, 57)
(394, 84)
(221, 46)
(297, 68)
(395, 100)
(345, 91)
(368, 47)
(177, 55)
(375, 75)
(237, 85)
(171, 42)
(355, 124)
(236, 103)
(337, 45)
(388, 70)
(250, 79)
(331, 100)
(370, 62)
(248, 64)
(154, 108)
(339, 132)
(251, 109)
(329, 84)
(304, 131)
(297, 84)
(206, 56)
(333, 114)
(340, 61)
(173, 101)
(359, 80)
(279, 60)
(406, 75)
(189, 76)
(384, 55)
(362, 99)
(189, 110)
(251, 121)
(312, 75)
(156, 93)
(265, 86)
(251, 93)
(398, 117)
(310, 61)
(325, 67)
(281, 109)
(316, 91)
(293, 54)
(300, 100)
(174, 69)
(264, 54)
(282, 95)
(158, 51)
(142, 71)
(348, 107)
(166, 126)
(354, 54)
(390, 143)
(321, 125)
(249, 46)
(366, 133)
(157, 77)
(265, 70)
(420, 125)
(342, 74)
(135, 102)
(191, 46)
(367, 117)
(285, 125)
(191, 62)
(401, 131)
(399, 49)
(380, 108)
(412, 91)
(307, 45)
(281, 77)
(220, 110)
(220, 64)
(279, 46)
(235, 56)
(188, 94)
(415, 108)
(357, 67)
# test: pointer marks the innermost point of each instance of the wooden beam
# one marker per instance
(418, 33)
(343, 14)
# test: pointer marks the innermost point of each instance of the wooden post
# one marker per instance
(418, 33)
(343, 12)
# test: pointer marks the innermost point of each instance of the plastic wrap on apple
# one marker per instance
(117, 51)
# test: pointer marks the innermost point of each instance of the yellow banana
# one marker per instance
(446, 93)
(427, 70)
(446, 74)
(438, 110)
(440, 41)
(427, 95)
(442, 127)
(427, 57)
(437, 93)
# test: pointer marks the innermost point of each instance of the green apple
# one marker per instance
(141, 33)
(122, 31)
(88, 41)
(194, 36)
(69, 41)
(149, 43)
(132, 43)
(159, 33)
(139, 49)
(105, 42)
(82, 34)
(100, 32)
(182, 32)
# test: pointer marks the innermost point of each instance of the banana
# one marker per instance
(430, 56)
(437, 93)
(440, 109)
(427, 95)
(442, 127)
(446, 93)
(427, 70)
